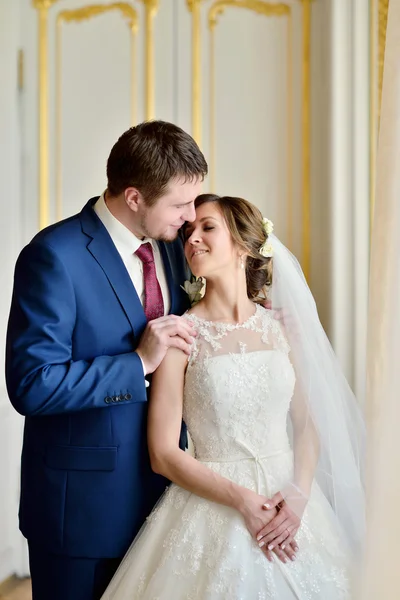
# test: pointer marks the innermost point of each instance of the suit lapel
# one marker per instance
(105, 253)
(175, 267)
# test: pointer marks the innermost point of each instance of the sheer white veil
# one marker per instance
(331, 405)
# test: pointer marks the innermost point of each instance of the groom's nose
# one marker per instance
(190, 213)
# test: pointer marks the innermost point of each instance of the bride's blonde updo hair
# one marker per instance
(245, 223)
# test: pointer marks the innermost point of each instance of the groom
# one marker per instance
(80, 347)
(92, 316)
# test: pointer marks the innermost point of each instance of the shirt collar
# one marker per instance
(125, 241)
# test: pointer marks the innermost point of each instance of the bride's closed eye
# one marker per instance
(188, 232)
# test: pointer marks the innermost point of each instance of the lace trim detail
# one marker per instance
(262, 322)
(225, 327)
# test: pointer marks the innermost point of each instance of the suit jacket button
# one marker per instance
(128, 396)
(107, 399)
(117, 398)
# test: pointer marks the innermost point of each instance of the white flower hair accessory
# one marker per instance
(194, 288)
(268, 226)
(267, 250)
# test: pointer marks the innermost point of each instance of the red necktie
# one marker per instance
(153, 300)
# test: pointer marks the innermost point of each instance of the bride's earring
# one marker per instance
(241, 262)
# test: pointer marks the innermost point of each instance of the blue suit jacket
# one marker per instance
(71, 369)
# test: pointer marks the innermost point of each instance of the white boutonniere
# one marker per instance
(194, 289)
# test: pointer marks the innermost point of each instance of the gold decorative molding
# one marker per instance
(258, 6)
(306, 137)
(195, 8)
(372, 110)
(151, 8)
(78, 15)
(42, 6)
(378, 19)
(92, 10)
(383, 9)
(21, 69)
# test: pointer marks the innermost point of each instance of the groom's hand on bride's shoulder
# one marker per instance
(285, 318)
(278, 313)
(161, 334)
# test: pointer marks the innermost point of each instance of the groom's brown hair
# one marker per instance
(151, 154)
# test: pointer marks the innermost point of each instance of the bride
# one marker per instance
(277, 434)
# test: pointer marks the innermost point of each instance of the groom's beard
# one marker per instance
(167, 236)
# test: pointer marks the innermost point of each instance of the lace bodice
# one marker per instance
(238, 387)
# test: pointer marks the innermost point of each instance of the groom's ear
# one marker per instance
(133, 198)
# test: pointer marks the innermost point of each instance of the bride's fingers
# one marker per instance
(284, 539)
(273, 502)
(289, 551)
(278, 540)
(289, 539)
(280, 554)
(273, 528)
(269, 538)
(268, 554)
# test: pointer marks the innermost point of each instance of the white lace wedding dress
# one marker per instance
(238, 388)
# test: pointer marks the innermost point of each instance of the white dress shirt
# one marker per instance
(127, 243)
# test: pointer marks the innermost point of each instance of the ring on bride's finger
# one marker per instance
(283, 545)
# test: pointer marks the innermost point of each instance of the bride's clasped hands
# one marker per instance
(286, 518)
(262, 521)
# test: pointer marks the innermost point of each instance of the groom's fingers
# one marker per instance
(161, 334)
(174, 324)
(178, 331)
(178, 342)
(171, 326)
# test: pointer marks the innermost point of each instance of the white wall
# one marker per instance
(10, 243)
